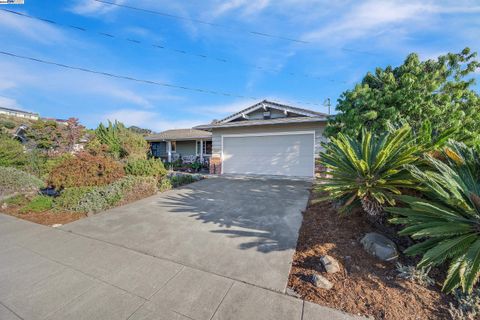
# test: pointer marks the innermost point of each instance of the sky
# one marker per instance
(291, 51)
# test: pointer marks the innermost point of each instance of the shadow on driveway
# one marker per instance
(245, 229)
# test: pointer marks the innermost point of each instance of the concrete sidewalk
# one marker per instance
(46, 273)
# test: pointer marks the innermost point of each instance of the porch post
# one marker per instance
(169, 151)
(201, 150)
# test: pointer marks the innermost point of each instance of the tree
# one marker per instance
(73, 132)
(439, 91)
(142, 131)
(49, 135)
(121, 142)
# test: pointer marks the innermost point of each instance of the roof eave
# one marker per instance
(153, 139)
(248, 123)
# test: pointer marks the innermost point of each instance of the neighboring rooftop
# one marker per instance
(180, 134)
(17, 112)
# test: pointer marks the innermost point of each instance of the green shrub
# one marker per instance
(368, 171)
(164, 184)
(38, 204)
(69, 199)
(12, 153)
(448, 221)
(143, 167)
(7, 124)
(125, 190)
(418, 275)
(181, 179)
(85, 170)
(16, 201)
(14, 180)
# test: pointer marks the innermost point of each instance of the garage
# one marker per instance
(285, 154)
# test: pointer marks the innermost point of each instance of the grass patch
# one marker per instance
(38, 204)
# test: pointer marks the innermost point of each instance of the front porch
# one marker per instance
(182, 147)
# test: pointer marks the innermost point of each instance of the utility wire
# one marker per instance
(158, 46)
(212, 24)
(257, 33)
(156, 83)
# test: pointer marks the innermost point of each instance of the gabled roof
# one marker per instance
(272, 105)
(180, 134)
(305, 115)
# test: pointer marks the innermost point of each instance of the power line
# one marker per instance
(158, 46)
(209, 23)
(212, 24)
(151, 82)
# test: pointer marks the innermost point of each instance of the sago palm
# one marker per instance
(448, 220)
(369, 170)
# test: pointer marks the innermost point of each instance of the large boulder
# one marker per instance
(380, 246)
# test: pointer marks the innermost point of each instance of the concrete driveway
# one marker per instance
(244, 229)
(218, 249)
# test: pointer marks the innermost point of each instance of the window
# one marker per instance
(207, 147)
(174, 146)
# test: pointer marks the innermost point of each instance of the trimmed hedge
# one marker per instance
(14, 180)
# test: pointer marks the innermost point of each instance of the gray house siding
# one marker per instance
(186, 148)
(318, 127)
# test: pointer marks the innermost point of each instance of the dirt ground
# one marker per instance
(47, 218)
(365, 285)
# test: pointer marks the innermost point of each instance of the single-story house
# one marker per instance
(267, 138)
(171, 145)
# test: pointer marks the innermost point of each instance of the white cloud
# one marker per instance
(39, 31)
(51, 81)
(223, 110)
(247, 7)
(91, 7)
(148, 119)
(9, 103)
(368, 18)
(390, 18)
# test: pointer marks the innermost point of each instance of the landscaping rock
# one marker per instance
(57, 225)
(291, 292)
(380, 246)
(330, 264)
(321, 282)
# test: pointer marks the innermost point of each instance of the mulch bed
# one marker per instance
(47, 218)
(365, 285)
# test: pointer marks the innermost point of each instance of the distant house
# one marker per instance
(267, 138)
(19, 113)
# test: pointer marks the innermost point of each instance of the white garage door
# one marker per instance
(279, 154)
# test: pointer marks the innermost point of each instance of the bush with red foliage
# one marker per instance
(85, 170)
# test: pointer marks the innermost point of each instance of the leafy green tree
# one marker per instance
(439, 91)
(12, 153)
(51, 135)
(121, 142)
